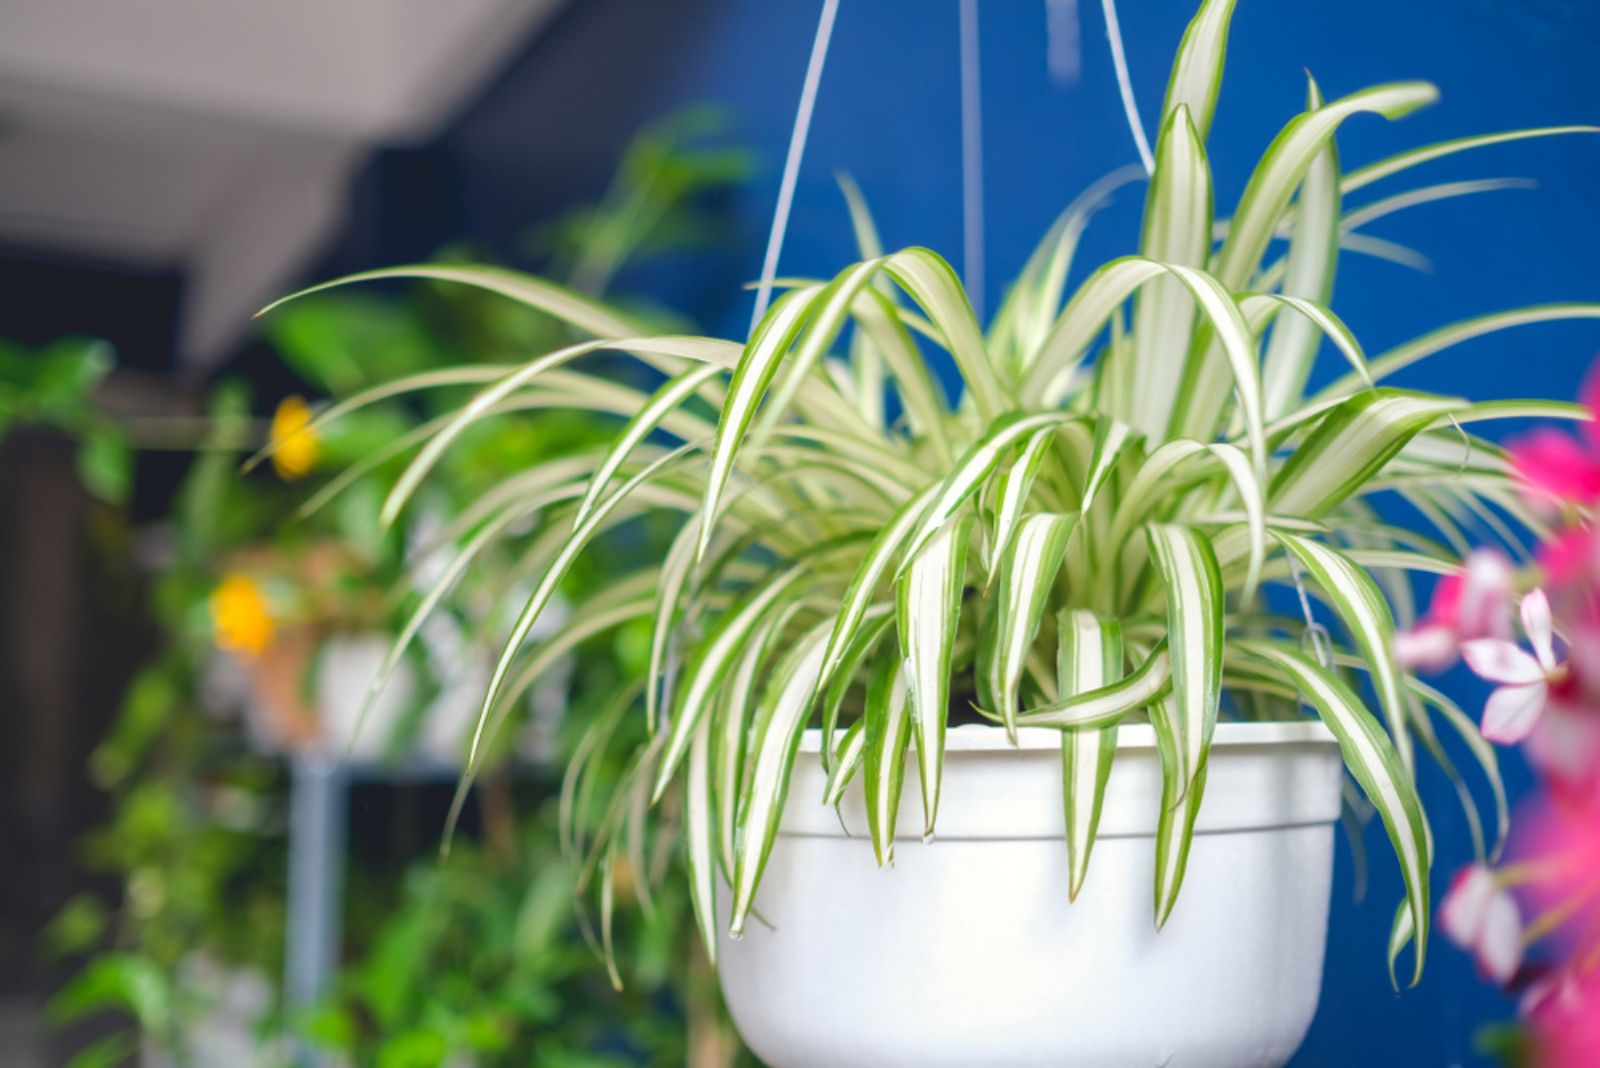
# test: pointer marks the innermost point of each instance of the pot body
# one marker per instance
(967, 951)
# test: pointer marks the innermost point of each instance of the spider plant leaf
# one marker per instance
(666, 400)
(875, 316)
(863, 586)
(559, 302)
(848, 757)
(1253, 495)
(975, 465)
(487, 399)
(1195, 607)
(929, 281)
(700, 821)
(875, 624)
(1374, 763)
(1366, 615)
(711, 668)
(1028, 572)
(1197, 74)
(1034, 300)
(1111, 437)
(1104, 705)
(1349, 445)
(676, 567)
(887, 718)
(757, 366)
(1089, 656)
(1318, 319)
(576, 542)
(1183, 785)
(1285, 163)
(928, 607)
(1177, 230)
(1014, 485)
(1313, 255)
(1403, 356)
(730, 740)
(1482, 752)
(787, 704)
(1373, 172)
(1093, 303)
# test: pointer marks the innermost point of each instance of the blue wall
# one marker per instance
(888, 115)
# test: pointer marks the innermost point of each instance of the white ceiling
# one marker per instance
(219, 135)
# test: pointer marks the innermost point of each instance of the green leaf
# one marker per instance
(887, 735)
(1374, 763)
(1028, 572)
(712, 666)
(1013, 488)
(700, 821)
(1313, 255)
(1177, 230)
(847, 759)
(666, 400)
(1284, 166)
(1366, 615)
(1195, 607)
(1197, 74)
(1373, 172)
(1183, 785)
(786, 706)
(1350, 445)
(1089, 656)
(1104, 705)
(975, 465)
(928, 607)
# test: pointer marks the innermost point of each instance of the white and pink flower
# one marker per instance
(1474, 603)
(1516, 705)
(1481, 916)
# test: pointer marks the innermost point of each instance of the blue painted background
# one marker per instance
(888, 114)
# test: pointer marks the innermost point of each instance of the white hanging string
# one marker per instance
(791, 164)
(1063, 51)
(1125, 85)
(1316, 635)
(971, 158)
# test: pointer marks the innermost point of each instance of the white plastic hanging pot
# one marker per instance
(967, 951)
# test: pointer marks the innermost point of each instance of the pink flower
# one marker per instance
(1481, 917)
(1565, 1014)
(1564, 746)
(1475, 603)
(1558, 467)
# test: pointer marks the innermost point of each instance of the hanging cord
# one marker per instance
(971, 157)
(1316, 635)
(1125, 85)
(791, 164)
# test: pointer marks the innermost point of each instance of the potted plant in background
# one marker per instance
(273, 605)
(1068, 562)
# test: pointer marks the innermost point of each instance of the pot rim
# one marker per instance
(981, 738)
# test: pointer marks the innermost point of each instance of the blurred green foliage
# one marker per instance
(483, 959)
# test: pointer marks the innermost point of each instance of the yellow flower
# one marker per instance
(294, 444)
(239, 614)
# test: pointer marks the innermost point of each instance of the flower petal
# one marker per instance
(1556, 465)
(1483, 603)
(1466, 905)
(1536, 622)
(1499, 948)
(1511, 712)
(1427, 647)
(1501, 661)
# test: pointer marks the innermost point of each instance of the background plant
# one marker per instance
(197, 837)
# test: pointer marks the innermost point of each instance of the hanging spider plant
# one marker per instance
(1077, 540)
